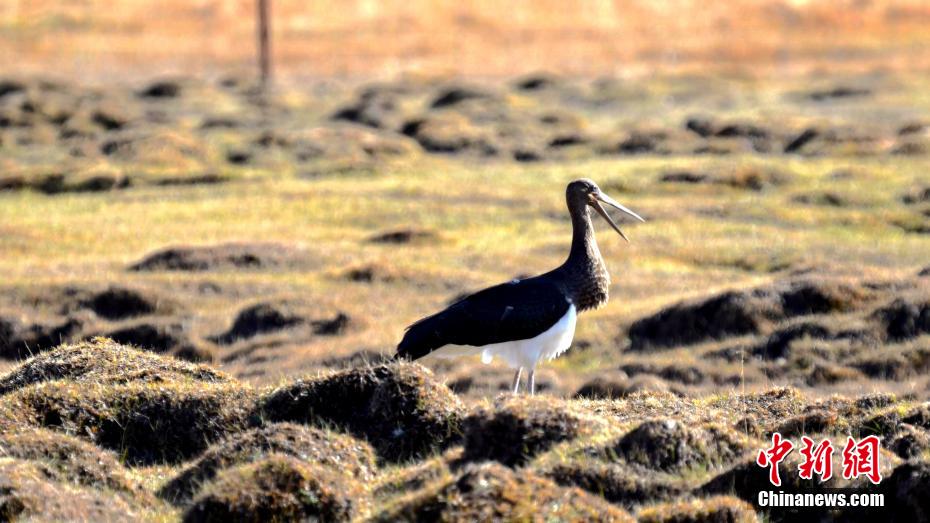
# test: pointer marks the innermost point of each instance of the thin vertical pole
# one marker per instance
(264, 43)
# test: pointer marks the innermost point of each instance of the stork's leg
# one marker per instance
(531, 382)
(516, 380)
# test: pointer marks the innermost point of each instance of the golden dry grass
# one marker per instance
(362, 38)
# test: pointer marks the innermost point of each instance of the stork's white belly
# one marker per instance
(521, 353)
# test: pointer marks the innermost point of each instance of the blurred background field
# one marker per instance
(367, 39)
(155, 192)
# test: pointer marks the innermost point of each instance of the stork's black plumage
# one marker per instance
(518, 310)
(526, 320)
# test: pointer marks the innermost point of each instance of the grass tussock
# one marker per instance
(514, 429)
(144, 422)
(672, 446)
(324, 448)
(104, 361)
(279, 488)
(72, 460)
(490, 491)
(616, 482)
(30, 492)
(399, 407)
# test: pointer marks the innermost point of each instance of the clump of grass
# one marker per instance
(491, 491)
(322, 447)
(103, 361)
(672, 446)
(279, 488)
(394, 481)
(764, 408)
(809, 423)
(70, 459)
(31, 492)
(616, 482)
(147, 423)
(736, 313)
(517, 428)
(619, 386)
(906, 491)
(399, 407)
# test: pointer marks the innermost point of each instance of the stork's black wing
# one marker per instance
(517, 310)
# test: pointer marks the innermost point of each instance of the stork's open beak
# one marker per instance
(601, 197)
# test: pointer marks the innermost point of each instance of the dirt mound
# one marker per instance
(404, 236)
(822, 297)
(19, 341)
(30, 493)
(717, 509)
(258, 319)
(8, 87)
(279, 488)
(169, 149)
(103, 361)
(907, 492)
(378, 108)
(336, 451)
(778, 344)
(903, 361)
(918, 195)
(808, 423)
(640, 142)
(190, 179)
(620, 386)
(491, 491)
(752, 178)
(517, 428)
(222, 256)
(156, 337)
(671, 446)
(72, 460)
(399, 407)
(910, 442)
(537, 82)
(684, 177)
(676, 372)
(165, 423)
(161, 89)
(375, 272)
(767, 408)
(395, 481)
(737, 313)
(78, 181)
(904, 319)
(837, 92)
(117, 303)
(728, 314)
(455, 95)
(266, 318)
(451, 133)
(614, 481)
(889, 422)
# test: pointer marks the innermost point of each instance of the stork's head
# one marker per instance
(584, 192)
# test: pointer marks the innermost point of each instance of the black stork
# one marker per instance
(525, 321)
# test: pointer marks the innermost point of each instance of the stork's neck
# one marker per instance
(586, 277)
(584, 246)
